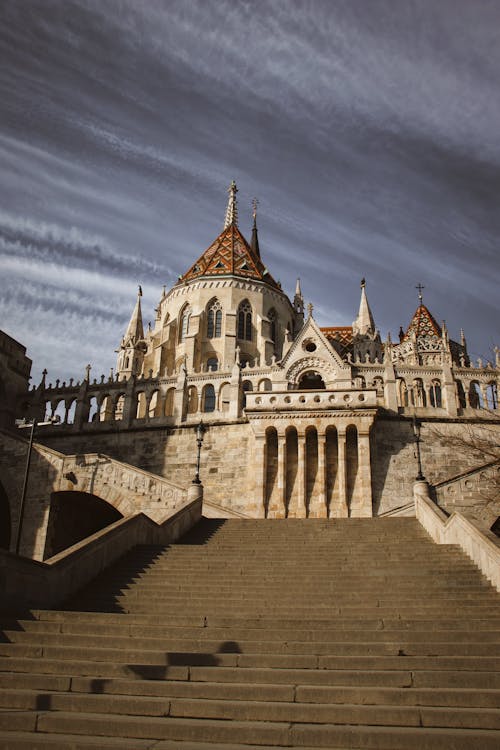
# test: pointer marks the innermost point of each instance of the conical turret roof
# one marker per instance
(364, 323)
(229, 255)
(422, 324)
(135, 330)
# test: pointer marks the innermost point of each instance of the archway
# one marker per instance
(311, 381)
(74, 516)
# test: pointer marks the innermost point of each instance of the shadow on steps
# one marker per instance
(203, 531)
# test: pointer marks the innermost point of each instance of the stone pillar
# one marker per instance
(260, 463)
(363, 507)
(448, 391)
(339, 508)
(317, 508)
(300, 510)
(179, 410)
(280, 498)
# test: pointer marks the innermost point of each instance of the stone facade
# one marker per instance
(303, 421)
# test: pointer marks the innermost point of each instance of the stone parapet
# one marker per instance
(457, 530)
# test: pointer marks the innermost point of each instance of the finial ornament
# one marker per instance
(420, 288)
(310, 308)
(232, 207)
(255, 203)
(140, 291)
(363, 283)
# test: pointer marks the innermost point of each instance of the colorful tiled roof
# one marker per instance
(422, 324)
(340, 337)
(230, 254)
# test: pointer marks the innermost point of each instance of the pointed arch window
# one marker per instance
(435, 394)
(245, 321)
(184, 323)
(214, 320)
(209, 398)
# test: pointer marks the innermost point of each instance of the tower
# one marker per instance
(132, 346)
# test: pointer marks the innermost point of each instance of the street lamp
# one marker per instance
(23, 423)
(200, 431)
(416, 431)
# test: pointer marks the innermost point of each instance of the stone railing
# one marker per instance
(456, 529)
(27, 583)
(310, 400)
(129, 489)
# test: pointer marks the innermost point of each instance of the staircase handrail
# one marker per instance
(28, 583)
(457, 529)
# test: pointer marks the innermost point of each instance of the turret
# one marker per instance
(132, 346)
(298, 300)
(364, 323)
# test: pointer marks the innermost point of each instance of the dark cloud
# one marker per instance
(369, 131)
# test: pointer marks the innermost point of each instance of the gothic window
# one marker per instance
(209, 398)
(475, 396)
(492, 396)
(212, 364)
(435, 394)
(184, 323)
(462, 402)
(245, 321)
(419, 393)
(214, 320)
(272, 325)
(192, 399)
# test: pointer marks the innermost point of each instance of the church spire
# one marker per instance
(255, 237)
(232, 207)
(135, 330)
(364, 323)
(133, 347)
(298, 300)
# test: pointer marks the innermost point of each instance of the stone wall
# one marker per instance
(228, 467)
(394, 467)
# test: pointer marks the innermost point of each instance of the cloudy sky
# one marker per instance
(368, 129)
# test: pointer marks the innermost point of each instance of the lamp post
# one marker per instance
(23, 423)
(416, 431)
(200, 431)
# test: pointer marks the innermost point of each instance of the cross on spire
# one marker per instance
(420, 287)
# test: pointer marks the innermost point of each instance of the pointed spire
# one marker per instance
(255, 237)
(298, 300)
(364, 323)
(232, 207)
(135, 330)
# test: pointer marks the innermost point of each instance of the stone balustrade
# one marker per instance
(310, 400)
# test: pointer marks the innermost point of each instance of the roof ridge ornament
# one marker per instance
(420, 287)
(232, 207)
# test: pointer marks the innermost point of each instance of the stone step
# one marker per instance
(62, 618)
(272, 734)
(264, 634)
(378, 646)
(379, 632)
(229, 655)
(325, 694)
(311, 712)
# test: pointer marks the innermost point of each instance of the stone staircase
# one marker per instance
(355, 633)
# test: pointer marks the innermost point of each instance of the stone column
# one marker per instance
(448, 391)
(339, 508)
(279, 510)
(318, 505)
(300, 510)
(363, 505)
(260, 464)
